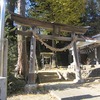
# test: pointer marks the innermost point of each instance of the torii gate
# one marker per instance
(57, 28)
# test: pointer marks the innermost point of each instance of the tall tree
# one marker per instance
(10, 28)
(92, 17)
(22, 64)
(62, 11)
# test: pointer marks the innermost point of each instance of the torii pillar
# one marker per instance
(32, 86)
(76, 63)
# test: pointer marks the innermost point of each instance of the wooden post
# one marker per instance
(32, 86)
(32, 74)
(76, 61)
(55, 32)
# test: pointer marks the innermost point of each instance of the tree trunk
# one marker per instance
(22, 63)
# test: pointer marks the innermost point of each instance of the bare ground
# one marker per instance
(92, 84)
(32, 97)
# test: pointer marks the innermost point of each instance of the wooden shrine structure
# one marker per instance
(46, 59)
(56, 28)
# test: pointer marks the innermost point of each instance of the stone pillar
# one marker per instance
(3, 88)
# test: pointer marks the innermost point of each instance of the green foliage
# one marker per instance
(92, 17)
(14, 85)
(60, 11)
(12, 43)
(12, 56)
(9, 28)
(11, 5)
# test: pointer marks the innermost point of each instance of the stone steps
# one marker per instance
(45, 77)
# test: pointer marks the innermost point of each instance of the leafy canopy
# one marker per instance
(60, 11)
(92, 17)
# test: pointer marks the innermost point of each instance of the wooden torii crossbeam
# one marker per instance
(25, 21)
(31, 22)
(48, 37)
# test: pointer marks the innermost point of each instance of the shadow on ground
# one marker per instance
(81, 97)
(70, 85)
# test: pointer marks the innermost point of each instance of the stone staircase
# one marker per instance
(49, 76)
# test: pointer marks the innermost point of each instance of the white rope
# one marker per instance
(52, 48)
